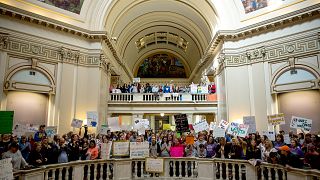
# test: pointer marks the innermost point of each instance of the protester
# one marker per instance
(288, 159)
(41, 133)
(18, 161)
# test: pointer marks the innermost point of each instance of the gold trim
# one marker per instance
(298, 1)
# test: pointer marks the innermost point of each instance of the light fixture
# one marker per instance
(161, 114)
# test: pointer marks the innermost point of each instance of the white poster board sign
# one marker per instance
(251, 121)
(76, 123)
(301, 123)
(92, 118)
(154, 165)
(139, 149)
(219, 132)
(120, 148)
(270, 134)
(200, 126)
(287, 139)
(223, 124)
(136, 80)
(104, 129)
(193, 88)
(276, 119)
(19, 130)
(105, 150)
(212, 126)
(6, 172)
(113, 123)
(238, 129)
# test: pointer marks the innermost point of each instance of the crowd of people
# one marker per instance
(39, 149)
(162, 88)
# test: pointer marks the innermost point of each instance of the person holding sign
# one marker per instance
(165, 147)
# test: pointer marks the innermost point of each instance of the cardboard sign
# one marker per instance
(139, 149)
(276, 119)
(223, 124)
(166, 127)
(120, 148)
(270, 134)
(76, 123)
(176, 151)
(237, 129)
(51, 131)
(181, 121)
(219, 132)
(201, 126)
(92, 118)
(6, 172)
(301, 123)
(287, 139)
(190, 140)
(251, 121)
(105, 150)
(113, 123)
(154, 165)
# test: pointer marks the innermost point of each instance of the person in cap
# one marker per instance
(288, 159)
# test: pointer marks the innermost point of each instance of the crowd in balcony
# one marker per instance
(163, 88)
(39, 149)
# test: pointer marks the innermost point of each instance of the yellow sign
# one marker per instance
(166, 127)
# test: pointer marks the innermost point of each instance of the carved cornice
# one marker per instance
(4, 38)
(69, 55)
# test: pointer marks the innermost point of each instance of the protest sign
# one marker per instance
(301, 123)
(32, 128)
(51, 131)
(237, 129)
(193, 88)
(200, 126)
(104, 129)
(154, 165)
(113, 124)
(166, 126)
(251, 121)
(19, 130)
(212, 126)
(105, 150)
(190, 140)
(139, 149)
(287, 139)
(223, 124)
(276, 119)
(6, 172)
(219, 132)
(136, 80)
(92, 118)
(270, 135)
(181, 122)
(120, 148)
(176, 151)
(76, 123)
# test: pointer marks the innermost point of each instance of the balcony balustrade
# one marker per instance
(174, 168)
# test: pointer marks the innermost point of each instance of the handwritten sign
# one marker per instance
(51, 131)
(92, 118)
(200, 126)
(139, 149)
(113, 124)
(6, 172)
(181, 121)
(270, 135)
(276, 119)
(154, 165)
(212, 126)
(104, 129)
(176, 151)
(237, 129)
(190, 140)
(166, 126)
(76, 123)
(136, 80)
(301, 123)
(19, 130)
(223, 124)
(287, 139)
(120, 149)
(219, 132)
(105, 150)
(251, 121)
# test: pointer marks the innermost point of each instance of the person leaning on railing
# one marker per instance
(18, 162)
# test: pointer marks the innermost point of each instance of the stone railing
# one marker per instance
(163, 97)
(174, 168)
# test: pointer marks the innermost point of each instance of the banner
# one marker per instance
(113, 124)
(301, 123)
(105, 150)
(154, 165)
(120, 148)
(76, 123)
(6, 172)
(219, 132)
(139, 149)
(251, 121)
(190, 140)
(276, 119)
(200, 126)
(237, 129)
(223, 124)
(92, 118)
(176, 151)
(270, 134)
(181, 122)
(51, 131)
